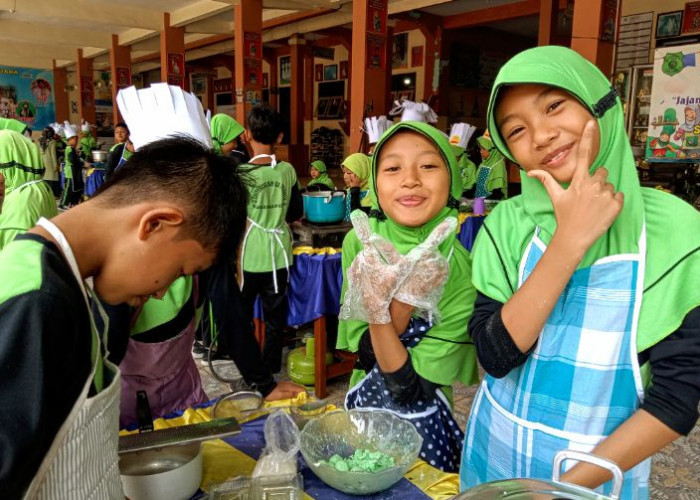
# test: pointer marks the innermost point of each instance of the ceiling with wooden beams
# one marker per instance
(35, 33)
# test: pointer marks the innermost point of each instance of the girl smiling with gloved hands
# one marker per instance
(407, 292)
(582, 280)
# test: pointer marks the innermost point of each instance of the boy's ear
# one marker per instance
(279, 138)
(246, 135)
(159, 220)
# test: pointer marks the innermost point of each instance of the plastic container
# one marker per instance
(324, 206)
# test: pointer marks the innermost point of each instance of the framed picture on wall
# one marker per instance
(400, 58)
(322, 107)
(285, 70)
(691, 18)
(669, 24)
(318, 73)
(330, 72)
(343, 70)
(334, 108)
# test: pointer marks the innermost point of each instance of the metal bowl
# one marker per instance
(342, 432)
(170, 473)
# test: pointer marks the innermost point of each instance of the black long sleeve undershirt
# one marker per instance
(296, 205)
(675, 362)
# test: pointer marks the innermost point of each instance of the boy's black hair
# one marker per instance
(264, 124)
(122, 125)
(207, 187)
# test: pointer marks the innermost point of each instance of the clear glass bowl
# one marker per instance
(341, 433)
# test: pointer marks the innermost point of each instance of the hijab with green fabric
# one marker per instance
(27, 196)
(672, 226)
(224, 129)
(498, 176)
(359, 164)
(11, 124)
(443, 356)
(323, 177)
(467, 169)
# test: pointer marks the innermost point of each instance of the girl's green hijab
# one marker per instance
(224, 129)
(323, 177)
(498, 176)
(20, 160)
(360, 165)
(10, 124)
(672, 226)
(446, 354)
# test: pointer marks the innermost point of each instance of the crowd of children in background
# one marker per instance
(584, 253)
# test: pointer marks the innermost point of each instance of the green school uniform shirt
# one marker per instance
(269, 192)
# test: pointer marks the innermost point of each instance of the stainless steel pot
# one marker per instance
(535, 489)
(171, 473)
(99, 156)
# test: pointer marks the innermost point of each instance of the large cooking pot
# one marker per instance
(324, 206)
(536, 489)
(99, 156)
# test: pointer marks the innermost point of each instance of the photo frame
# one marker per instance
(691, 18)
(176, 64)
(330, 72)
(400, 51)
(334, 108)
(322, 107)
(668, 24)
(318, 73)
(265, 80)
(343, 70)
(285, 70)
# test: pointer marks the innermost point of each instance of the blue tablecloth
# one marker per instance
(315, 280)
(94, 181)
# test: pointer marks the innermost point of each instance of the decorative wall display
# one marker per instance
(376, 20)
(333, 111)
(343, 70)
(400, 57)
(176, 64)
(175, 80)
(87, 91)
(674, 116)
(634, 40)
(123, 77)
(318, 73)
(691, 18)
(265, 80)
(330, 72)
(607, 20)
(417, 56)
(252, 43)
(327, 146)
(669, 24)
(376, 34)
(253, 71)
(322, 107)
(376, 52)
(285, 70)
(27, 95)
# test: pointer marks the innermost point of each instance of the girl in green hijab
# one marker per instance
(587, 319)
(224, 132)
(356, 171)
(319, 176)
(491, 176)
(409, 364)
(27, 196)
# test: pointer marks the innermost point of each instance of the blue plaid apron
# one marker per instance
(580, 383)
(432, 417)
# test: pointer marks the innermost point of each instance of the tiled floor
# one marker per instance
(675, 471)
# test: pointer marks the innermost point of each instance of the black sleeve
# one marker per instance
(235, 327)
(495, 349)
(44, 364)
(496, 195)
(77, 165)
(405, 385)
(296, 205)
(119, 330)
(354, 198)
(113, 160)
(675, 363)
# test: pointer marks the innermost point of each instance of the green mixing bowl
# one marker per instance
(342, 432)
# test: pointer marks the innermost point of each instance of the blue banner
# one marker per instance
(27, 95)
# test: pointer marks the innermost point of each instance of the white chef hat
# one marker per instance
(414, 111)
(208, 117)
(57, 128)
(162, 111)
(69, 130)
(375, 126)
(460, 133)
(85, 126)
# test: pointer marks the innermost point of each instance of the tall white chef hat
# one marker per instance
(460, 133)
(69, 130)
(85, 127)
(375, 126)
(414, 111)
(162, 111)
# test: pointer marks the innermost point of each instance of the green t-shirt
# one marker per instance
(268, 243)
(23, 207)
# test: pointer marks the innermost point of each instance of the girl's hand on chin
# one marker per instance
(589, 206)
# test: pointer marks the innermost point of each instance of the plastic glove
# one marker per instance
(373, 277)
(424, 286)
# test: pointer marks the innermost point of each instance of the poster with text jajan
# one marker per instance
(674, 115)
(27, 95)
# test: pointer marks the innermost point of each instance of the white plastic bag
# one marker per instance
(281, 446)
